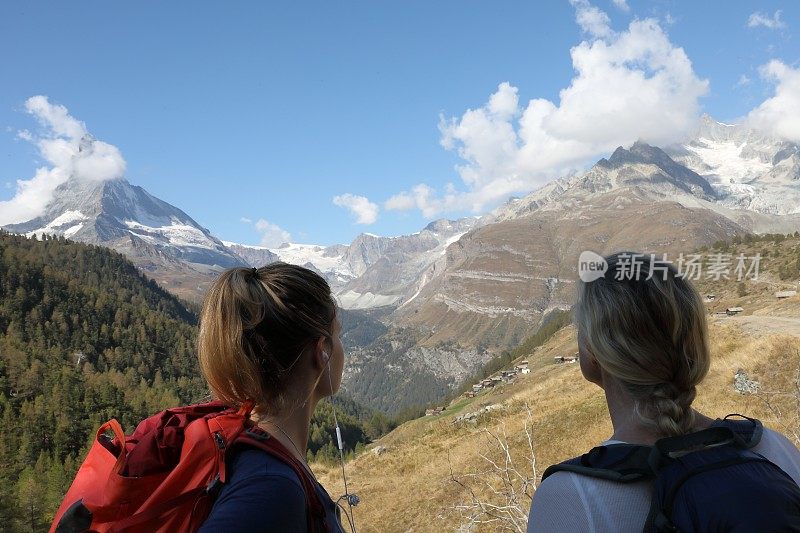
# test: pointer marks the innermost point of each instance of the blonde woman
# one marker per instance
(645, 343)
(270, 336)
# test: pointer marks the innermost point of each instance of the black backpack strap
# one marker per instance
(628, 462)
(739, 434)
(743, 434)
(748, 431)
(622, 463)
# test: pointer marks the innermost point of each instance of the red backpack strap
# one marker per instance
(258, 438)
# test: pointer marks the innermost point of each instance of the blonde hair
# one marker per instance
(255, 326)
(650, 334)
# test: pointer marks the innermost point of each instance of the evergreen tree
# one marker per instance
(85, 337)
(30, 504)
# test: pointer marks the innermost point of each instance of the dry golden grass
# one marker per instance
(409, 486)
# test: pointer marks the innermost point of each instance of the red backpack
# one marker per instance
(164, 476)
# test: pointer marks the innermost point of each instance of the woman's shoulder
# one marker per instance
(780, 450)
(261, 494)
(248, 463)
(774, 437)
(567, 501)
(553, 495)
(567, 488)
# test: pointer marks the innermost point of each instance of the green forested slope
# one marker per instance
(85, 337)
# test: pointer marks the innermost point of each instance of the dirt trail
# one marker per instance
(765, 324)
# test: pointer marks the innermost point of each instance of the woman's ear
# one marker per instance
(321, 353)
(590, 367)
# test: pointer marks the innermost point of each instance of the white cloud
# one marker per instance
(246, 220)
(622, 4)
(630, 85)
(272, 235)
(743, 80)
(422, 197)
(591, 19)
(780, 114)
(760, 19)
(366, 212)
(69, 151)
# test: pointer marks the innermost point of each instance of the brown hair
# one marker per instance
(255, 326)
(650, 334)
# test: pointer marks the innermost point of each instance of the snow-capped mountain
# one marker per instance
(255, 256)
(497, 283)
(393, 270)
(645, 171)
(156, 236)
(371, 271)
(748, 169)
(328, 261)
(652, 174)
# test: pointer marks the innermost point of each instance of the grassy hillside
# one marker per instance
(441, 473)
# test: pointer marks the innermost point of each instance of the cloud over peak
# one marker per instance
(628, 85)
(365, 212)
(779, 114)
(68, 150)
(272, 235)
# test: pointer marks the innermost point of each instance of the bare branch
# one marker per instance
(788, 421)
(500, 494)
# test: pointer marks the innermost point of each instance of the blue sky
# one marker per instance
(270, 110)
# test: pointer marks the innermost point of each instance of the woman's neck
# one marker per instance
(628, 427)
(291, 429)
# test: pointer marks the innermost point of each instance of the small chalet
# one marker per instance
(780, 295)
(566, 359)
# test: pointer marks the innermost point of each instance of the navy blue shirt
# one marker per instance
(264, 494)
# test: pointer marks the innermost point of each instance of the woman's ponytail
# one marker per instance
(254, 327)
(648, 331)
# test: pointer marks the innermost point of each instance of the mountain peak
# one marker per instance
(674, 173)
(639, 152)
(113, 212)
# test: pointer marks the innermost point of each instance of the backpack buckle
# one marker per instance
(213, 485)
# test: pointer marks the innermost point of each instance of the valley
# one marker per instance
(457, 293)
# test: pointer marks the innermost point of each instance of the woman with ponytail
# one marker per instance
(269, 338)
(642, 338)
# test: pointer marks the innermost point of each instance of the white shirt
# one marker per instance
(571, 502)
